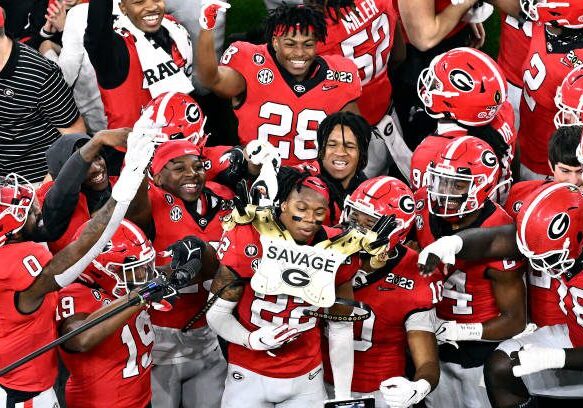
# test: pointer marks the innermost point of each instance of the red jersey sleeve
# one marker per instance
(26, 260)
(235, 246)
(239, 56)
(78, 298)
(338, 64)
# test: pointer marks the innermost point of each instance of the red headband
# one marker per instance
(282, 29)
(314, 183)
(171, 150)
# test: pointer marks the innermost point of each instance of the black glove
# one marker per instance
(185, 250)
(183, 275)
(237, 169)
(384, 227)
(241, 198)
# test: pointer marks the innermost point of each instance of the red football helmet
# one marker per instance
(380, 196)
(126, 261)
(182, 118)
(16, 198)
(568, 13)
(462, 84)
(549, 228)
(569, 99)
(462, 178)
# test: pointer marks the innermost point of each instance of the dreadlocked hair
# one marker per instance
(333, 8)
(359, 126)
(288, 180)
(491, 136)
(298, 19)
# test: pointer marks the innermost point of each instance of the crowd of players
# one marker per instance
(302, 264)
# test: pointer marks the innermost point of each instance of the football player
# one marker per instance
(176, 203)
(483, 302)
(555, 49)
(30, 278)
(401, 300)
(542, 301)
(548, 234)
(281, 90)
(466, 91)
(274, 345)
(569, 99)
(368, 33)
(109, 363)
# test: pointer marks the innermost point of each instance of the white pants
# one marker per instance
(46, 399)
(390, 143)
(459, 388)
(379, 401)
(550, 383)
(246, 389)
(514, 97)
(189, 369)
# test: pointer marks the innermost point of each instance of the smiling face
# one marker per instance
(341, 155)
(183, 177)
(144, 14)
(295, 52)
(310, 206)
(97, 178)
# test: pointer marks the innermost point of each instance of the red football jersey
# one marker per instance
(514, 44)
(116, 372)
(215, 160)
(467, 293)
(286, 113)
(21, 334)
(79, 217)
(543, 72)
(542, 301)
(571, 303)
(365, 35)
(240, 249)
(173, 222)
(380, 342)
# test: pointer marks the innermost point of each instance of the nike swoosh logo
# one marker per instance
(329, 87)
(382, 288)
(440, 330)
(313, 375)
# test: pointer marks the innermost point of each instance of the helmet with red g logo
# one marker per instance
(463, 84)
(181, 116)
(16, 198)
(569, 99)
(462, 178)
(549, 228)
(382, 196)
(126, 261)
(567, 13)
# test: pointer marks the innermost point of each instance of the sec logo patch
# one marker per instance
(175, 213)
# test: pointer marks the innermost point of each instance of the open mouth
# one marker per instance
(152, 20)
(298, 64)
(340, 164)
(98, 179)
(191, 188)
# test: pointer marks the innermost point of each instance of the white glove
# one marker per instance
(265, 185)
(532, 359)
(260, 153)
(478, 14)
(450, 331)
(399, 392)
(209, 9)
(271, 337)
(140, 150)
(445, 249)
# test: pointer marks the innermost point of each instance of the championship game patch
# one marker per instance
(251, 250)
(176, 213)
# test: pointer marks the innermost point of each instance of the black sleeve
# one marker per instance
(106, 49)
(62, 198)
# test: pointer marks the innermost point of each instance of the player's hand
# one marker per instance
(185, 250)
(140, 151)
(209, 10)
(265, 187)
(450, 331)
(271, 337)
(531, 359)
(444, 249)
(478, 13)
(113, 137)
(260, 153)
(399, 392)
